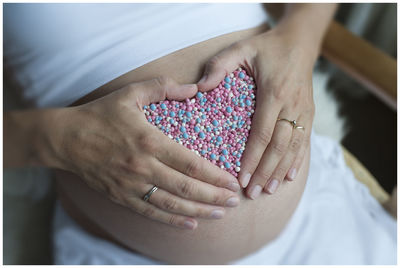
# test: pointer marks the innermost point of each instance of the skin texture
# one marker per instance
(281, 60)
(105, 142)
(242, 230)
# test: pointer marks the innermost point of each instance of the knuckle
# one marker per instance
(146, 142)
(218, 198)
(173, 220)
(279, 173)
(193, 167)
(169, 204)
(279, 147)
(214, 62)
(200, 212)
(148, 212)
(264, 174)
(264, 136)
(186, 188)
(296, 143)
(161, 81)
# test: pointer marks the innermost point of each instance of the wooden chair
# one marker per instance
(376, 71)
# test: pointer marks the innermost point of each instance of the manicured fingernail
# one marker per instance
(244, 181)
(203, 79)
(272, 186)
(189, 225)
(232, 202)
(234, 186)
(292, 173)
(217, 214)
(255, 191)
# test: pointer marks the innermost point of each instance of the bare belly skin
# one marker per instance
(243, 230)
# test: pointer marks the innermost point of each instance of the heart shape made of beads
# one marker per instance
(213, 124)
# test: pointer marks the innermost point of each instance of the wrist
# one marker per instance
(48, 140)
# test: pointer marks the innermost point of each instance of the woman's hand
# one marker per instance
(110, 144)
(282, 67)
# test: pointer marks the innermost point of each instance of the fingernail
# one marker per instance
(234, 186)
(292, 173)
(217, 214)
(203, 79)
(272, 186)
(232, 202)
(244, 181)
(255, 191)
(189, 225)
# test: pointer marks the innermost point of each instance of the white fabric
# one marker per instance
(61, 52)
(337, 222)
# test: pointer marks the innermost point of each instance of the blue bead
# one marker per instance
(201, 109)
(235, 117)
(239, 155)
(233, 83)
(213, 105)
(224, 152)
(222, 158)
(199, 95)
(145, 107)
(215, 123)
(209, 149)
(238, 163)
(248, 102)
(188, 114)
(218, 99)
(172, 113)
(196, 129)
(198, 120)
(226, 85)
(203, 116)
(227, 165)
(241, 75)
(176, 105)
(153, 107)
(149, 120)
(234, 153)
(202, 135)
(229, 109)
(241, 105)
(208, 129)
(185, 135)
(183, 129)
(227, 79)
(203, 152)
(171, 121)
(213, 156)
(163, 106)
(219, 138)
(208, 109)
(165, 112)
(215, 111)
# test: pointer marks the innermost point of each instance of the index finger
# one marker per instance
(187, 162)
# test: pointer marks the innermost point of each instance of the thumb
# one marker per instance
(162, 88)
(221, 65)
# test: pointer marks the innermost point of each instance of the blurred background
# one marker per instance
(345, 111)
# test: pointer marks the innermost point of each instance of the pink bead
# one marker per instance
(229, 135)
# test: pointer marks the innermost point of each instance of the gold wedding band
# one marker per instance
(146, 197)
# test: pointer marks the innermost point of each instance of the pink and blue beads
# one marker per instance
(214, 124)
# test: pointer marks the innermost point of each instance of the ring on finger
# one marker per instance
(292, 122)
(299, 127)
(146, 197)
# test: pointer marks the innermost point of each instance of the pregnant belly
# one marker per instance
(243, 230)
